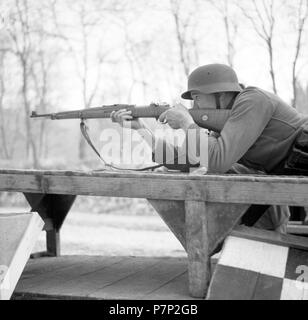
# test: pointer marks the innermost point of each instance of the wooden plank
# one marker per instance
(271, 237)
(161, 278)
(145, 281)
(221, 189)
(94, 281)
(45, 266)
(163, 176)
(54, 282)
(197, 248)
(18, 234)
(176, 289)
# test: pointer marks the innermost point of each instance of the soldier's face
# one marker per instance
(203, 101)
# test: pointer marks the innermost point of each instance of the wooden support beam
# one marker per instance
(197, 241)
(53, 208)
(173, 214)
(221, 219)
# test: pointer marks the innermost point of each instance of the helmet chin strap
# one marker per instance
(217, 99)
(230, 104)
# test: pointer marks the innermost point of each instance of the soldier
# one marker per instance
(257, 138)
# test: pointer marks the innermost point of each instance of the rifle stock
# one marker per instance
(210, 119)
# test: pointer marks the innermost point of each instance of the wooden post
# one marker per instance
(53, 243)
(207, 225)
(197, 245)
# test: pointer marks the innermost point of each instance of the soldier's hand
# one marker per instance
(124, 118)
(177, 117)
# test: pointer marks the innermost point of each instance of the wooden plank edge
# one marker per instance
(42, 296)
(154, 175)
(21, 256)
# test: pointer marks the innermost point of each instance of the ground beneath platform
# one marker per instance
(103, 277)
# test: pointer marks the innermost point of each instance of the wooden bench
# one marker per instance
(200, 210)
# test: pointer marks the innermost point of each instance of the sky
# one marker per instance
(163, 73)
(153, 46)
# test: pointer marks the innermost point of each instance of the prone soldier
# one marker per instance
(264, 135)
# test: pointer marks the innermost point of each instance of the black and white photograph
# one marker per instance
(153, 154)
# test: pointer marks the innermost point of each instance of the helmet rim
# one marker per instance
(214, 88)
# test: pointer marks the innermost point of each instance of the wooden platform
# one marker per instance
(201, 210)
(97, 277)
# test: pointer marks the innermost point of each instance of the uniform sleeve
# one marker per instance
(248, 119)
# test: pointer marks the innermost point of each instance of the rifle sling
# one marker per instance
(85, 134)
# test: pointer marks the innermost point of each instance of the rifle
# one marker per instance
(210, 119)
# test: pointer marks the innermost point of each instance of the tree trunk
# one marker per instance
(30, 141)
(272, 71)
(2, 118)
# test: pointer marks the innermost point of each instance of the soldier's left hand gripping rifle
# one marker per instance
(210, 119)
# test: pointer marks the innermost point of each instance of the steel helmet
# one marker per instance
(212, 78)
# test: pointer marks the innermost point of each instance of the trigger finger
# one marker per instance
(112, 116)
(163, 117)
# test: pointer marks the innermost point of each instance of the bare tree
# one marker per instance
(88, 21)
(301, 17)
(136, 52)
(40, 76)
(184, 21)
(3, 127)
(230, 25)
(263, 20)
(20, 36)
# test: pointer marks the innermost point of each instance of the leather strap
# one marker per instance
(84, 131)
